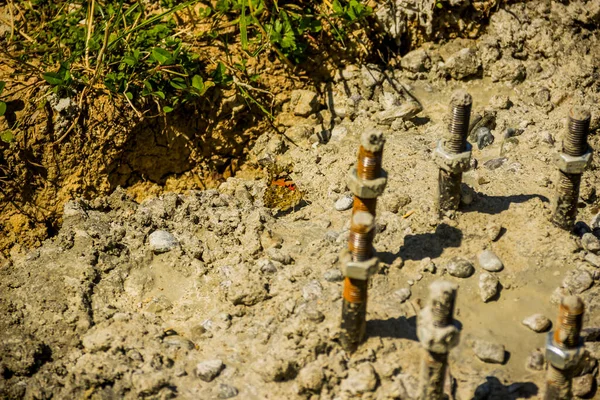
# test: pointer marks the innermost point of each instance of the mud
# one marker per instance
(246, 303)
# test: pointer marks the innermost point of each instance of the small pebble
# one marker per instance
(226, 391)
(537, 323)
(460, 267)
(593, 259)
(536, 361)
(312, 290)
(333, 275)
(583, 385)
(209, 370)
(577, 281)
(162, 241)
(488, 286)
(344, 203)
(493, 231)
(590, 242)
(595, 222)
(484, 137)
(489, 352)
(490, 261)
(495, 163)
(427, 265)
(402, 294)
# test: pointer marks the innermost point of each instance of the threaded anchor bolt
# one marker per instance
(370, 156)
(450, 178)
(564, 349)
(438, 335)
(354, 303)
(574, 150)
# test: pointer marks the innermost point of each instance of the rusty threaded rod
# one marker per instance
(449, 183)
(442, 297)
(567, 189)
(370, 156)
(354, 303)
(566, 336)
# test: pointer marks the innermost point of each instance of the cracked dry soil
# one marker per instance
(238, 299)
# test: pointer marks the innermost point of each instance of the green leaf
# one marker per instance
(2, 84)
(2, 108)
(178, 83)
(129, 60)
(220, 74)
(337, 7)
(243, 28)
(198, 83)
(159, 94)
(162, 56)
(129, 95)
(439, 5)
(7, 136)
(167, 109)
(53, 78)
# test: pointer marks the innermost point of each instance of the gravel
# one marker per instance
(344, 203)
(484, 137)
(489, 261)
(590, 242)
(489, 352)
(209, 370)
(460, 268)
(537, 323)
(402, 294)
(488, 286)
(162, 241)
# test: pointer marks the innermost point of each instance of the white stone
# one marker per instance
(537, 323)
(162, 241)
(490, 261)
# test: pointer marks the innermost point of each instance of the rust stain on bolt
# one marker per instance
(570, 322)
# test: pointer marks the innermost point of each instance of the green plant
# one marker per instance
(2, 104)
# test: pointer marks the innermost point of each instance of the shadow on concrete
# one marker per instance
(493, 389)
(420, 246)
(396, 328)
(486, 204)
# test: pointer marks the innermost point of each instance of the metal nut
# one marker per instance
(573, 165)
(433, 338)
(361, 270)
(450, 162)
(562, 358)
(366, 189)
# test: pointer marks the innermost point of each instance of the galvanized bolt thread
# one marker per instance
(354, 304)
(566, 335)
(449, 183)
(574, 145)
(370, 156)
(442, 297)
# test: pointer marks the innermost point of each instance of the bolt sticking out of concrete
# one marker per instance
(453, 157)
(572, 161)
(368, 171)
(564, 349)
(358, 268)
(438, 335)
(367, 181)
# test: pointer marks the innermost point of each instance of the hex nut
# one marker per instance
(574, 165)
(433, 338)
(366, 189)
(450, 162)
(562, 358)
(362, 270)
